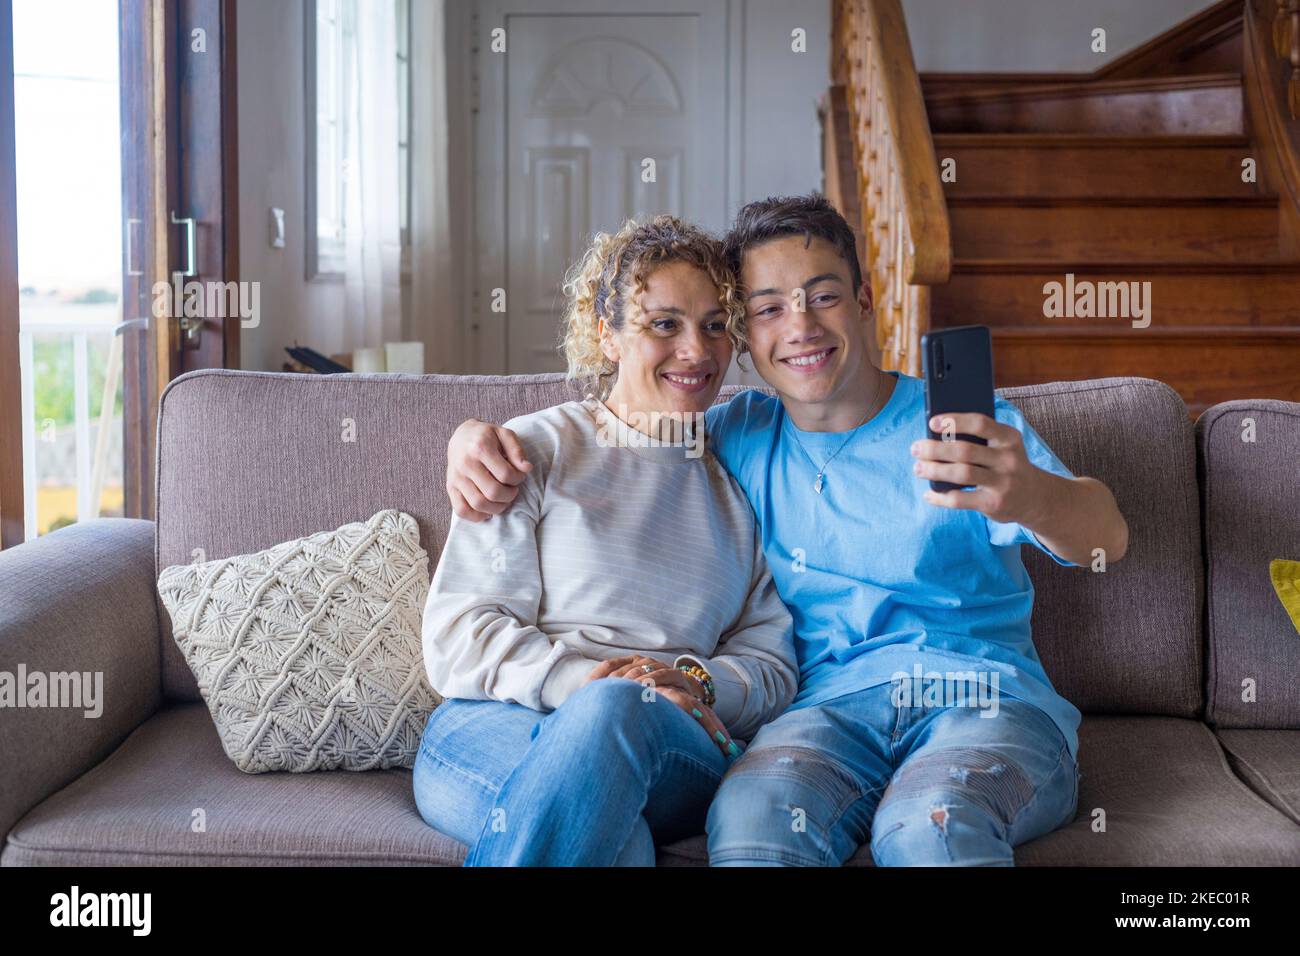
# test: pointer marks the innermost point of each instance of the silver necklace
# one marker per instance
(821, 471)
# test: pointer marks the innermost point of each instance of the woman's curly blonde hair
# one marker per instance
(612, 274)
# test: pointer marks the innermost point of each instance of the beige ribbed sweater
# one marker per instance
(609, 550)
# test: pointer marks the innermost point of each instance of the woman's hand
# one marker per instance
(620, 667)
(659, 675)
(678, 686)
(704, 716)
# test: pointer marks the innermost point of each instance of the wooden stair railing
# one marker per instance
(1286, 42)
(1272, 88)
(904, 217)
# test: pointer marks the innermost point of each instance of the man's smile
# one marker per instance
(809, 361)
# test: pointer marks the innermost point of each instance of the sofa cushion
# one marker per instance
(308, 653)
(140, 807)
(1250, 499)
(1268, 760)
(1169, 798)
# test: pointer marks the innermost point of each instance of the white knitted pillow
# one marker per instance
(308, 653)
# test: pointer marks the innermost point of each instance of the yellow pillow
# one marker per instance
(1286, 582)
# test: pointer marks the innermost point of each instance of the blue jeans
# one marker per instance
(927, 785)
(596, 782)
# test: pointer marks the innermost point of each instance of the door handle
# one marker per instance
(131, 269)
(188, 223)
(191, 327)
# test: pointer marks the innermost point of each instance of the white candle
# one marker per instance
(405, 357)
(369, 360)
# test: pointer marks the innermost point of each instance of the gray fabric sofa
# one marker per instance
(1178, 768)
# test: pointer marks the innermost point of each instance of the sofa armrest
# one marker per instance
(79, 601)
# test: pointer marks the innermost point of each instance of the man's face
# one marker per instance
(807, 326)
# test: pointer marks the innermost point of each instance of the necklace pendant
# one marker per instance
(818, 486)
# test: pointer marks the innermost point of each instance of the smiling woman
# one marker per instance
(630, 556)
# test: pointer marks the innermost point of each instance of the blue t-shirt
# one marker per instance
(878, 580)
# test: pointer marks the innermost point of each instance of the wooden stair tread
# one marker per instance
(1179, 295)
(1091, 87)
(1192, 105)
(1075, 141)
(976, 266)
(1290, 334)
(1111, 230)
(1032, 166)
(1254, 201)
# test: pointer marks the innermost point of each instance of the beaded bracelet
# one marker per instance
(701, 675)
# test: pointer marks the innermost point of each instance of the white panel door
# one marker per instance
(594, 114)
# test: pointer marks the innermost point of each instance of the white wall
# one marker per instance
(780, 136)
(272, 173)
(1048, 36)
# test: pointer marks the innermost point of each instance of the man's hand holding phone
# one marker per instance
(1007, 486)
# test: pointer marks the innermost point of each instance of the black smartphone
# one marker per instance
(958, 368)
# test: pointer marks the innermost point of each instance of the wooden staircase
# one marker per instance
(1133, 174)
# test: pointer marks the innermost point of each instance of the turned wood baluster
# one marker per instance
(1293, 87)
(1286, 43)
(900, 199)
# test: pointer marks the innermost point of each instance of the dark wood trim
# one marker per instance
(147, 354)
(11, 418)
(1194, 35)
(1278, 140)
(166, 182)
(136, 109)
(230, 169)
(203, 114)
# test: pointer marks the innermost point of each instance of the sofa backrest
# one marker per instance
(250, 459)
(1248, 454)
(1127, 640)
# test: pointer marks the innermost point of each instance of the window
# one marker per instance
(404, 124)
(329, 88)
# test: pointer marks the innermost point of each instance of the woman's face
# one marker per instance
(673, 348)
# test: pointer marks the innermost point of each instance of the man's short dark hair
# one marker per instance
(778, 216)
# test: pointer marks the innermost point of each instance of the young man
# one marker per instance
(924, 720)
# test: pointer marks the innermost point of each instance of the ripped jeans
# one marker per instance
(926, 785)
